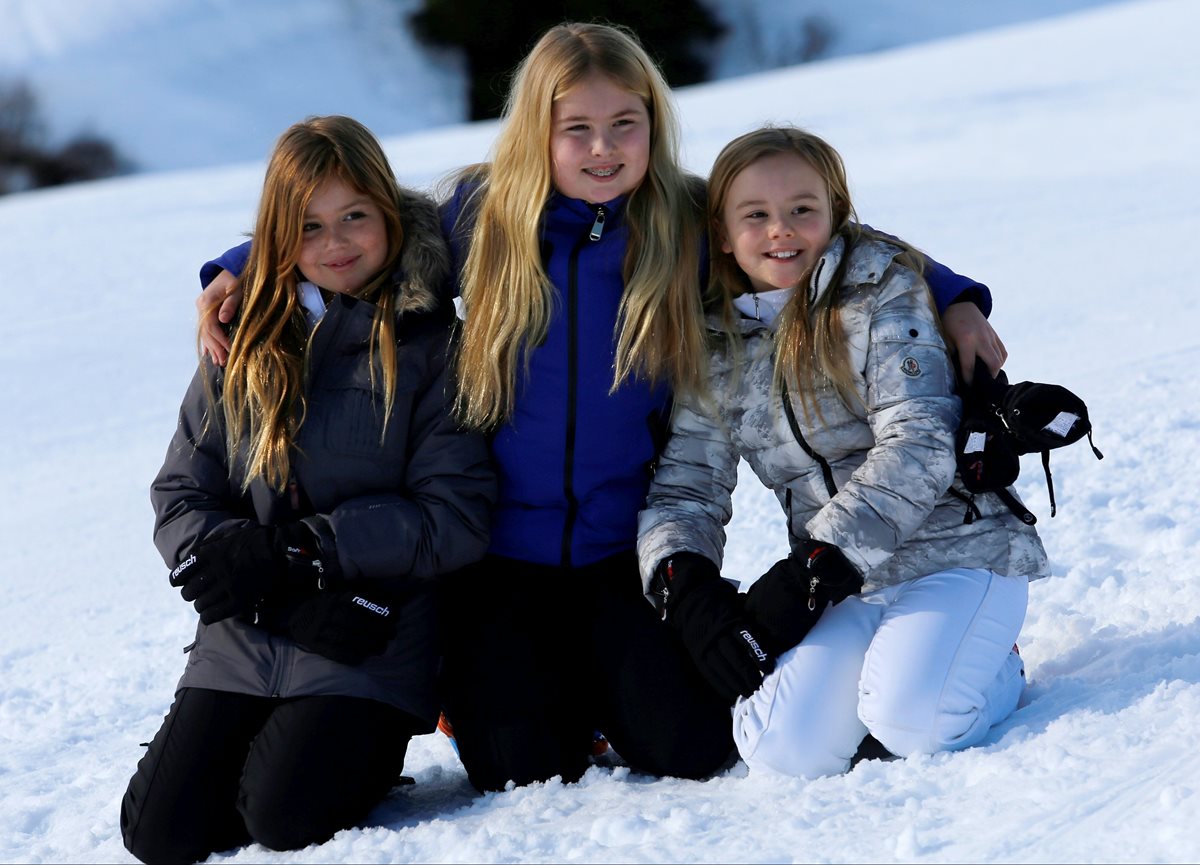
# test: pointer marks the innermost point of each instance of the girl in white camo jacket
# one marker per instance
(829, 375)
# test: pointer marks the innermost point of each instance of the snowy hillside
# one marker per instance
(208, 82)
(1057, 161)
(192, 83)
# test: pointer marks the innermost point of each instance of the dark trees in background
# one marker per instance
(496, 34)
(27, 162)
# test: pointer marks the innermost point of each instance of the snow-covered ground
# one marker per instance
(1057, 161)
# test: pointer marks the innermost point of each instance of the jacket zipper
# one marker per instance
(598, 225)
(826, 471)
(573, 385)
(596, 232)
(282, 650)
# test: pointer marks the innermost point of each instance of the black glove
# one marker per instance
(829, 574)
(707, 614)
(778, 601)
(346, 625)
(231, 574)
(789, 598)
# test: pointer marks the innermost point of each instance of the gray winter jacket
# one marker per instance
(403, 511)
(884, 499)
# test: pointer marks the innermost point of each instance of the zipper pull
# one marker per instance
(598, 225)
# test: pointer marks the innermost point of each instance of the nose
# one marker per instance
(781, 226)
(336, 236)
(602, 142)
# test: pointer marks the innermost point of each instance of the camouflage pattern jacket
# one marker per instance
(873, 478)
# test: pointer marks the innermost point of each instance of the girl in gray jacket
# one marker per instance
(829, 375)
(314, 488)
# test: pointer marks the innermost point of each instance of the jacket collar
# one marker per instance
(561, 209)
(825, 268)
(867, 263)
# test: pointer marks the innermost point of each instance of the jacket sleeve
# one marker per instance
(457, 216)
(192, 495)
(949, 287)
(234, 260)
(913, 415)
(440, 520)
(691, 496)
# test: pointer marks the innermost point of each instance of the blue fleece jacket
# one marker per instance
(574, 461)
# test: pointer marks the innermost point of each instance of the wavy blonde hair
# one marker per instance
(262, 400)
(504, 285)
(810, 342)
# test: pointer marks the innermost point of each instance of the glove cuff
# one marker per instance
(304, 562)
(678, 574)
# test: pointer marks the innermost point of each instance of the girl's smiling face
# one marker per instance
(345, 238)
(599, 140)
(776, 220)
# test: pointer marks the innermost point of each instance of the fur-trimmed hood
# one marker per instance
(423, 273)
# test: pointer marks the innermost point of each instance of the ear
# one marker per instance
(726, 246)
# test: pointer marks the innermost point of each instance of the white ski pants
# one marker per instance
(924, 666)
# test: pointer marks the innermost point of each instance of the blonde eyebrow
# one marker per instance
(577, 117)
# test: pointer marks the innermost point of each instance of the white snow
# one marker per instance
(196, 83)
(191, 83)
(1057, 161)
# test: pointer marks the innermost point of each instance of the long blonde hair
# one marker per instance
(263, 400)
(810, 342)
(505, 288)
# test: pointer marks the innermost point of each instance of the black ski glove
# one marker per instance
(789, 598)
(829, 574)
(346, 625)
(707, 614)
(231, 574)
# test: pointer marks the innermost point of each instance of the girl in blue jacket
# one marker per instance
(578, 254)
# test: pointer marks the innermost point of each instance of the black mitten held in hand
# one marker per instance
(707, 614)
(231, 574)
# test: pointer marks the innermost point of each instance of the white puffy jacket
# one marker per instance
(877, 480)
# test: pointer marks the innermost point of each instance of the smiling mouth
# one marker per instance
(783, 254)
(606, 171)
(341, 264)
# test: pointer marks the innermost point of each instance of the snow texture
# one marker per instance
(1056, 160)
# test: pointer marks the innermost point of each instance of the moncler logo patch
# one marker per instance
(910, 367)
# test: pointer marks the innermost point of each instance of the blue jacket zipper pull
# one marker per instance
(598, 225)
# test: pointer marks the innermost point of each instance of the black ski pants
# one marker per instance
(227, 769)
(537, 658)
